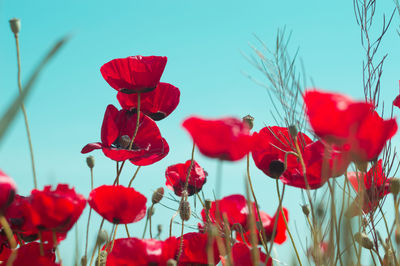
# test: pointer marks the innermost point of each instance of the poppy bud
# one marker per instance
(184, 210)
(102, 258)
(276, 168)
(90, 161)
(171, 262)
(159, 229)
(102, 237)
(395, 185)
(306, 209)
(208, 203)
(248, 119)
(84, 261)
(293, 131)
(15, 24)
(157, 195)
(363, 240)
(124, 141)
(320, 210)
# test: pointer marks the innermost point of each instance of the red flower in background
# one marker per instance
(19, 216)
(268, 223)
(117, 131)
(225, 139)
(241, 255)
(135, 73)
(57, 209)
(156, 104)
(118, 204)
(29, 254)
(233, 206)
(194, 250)
(138, 252)
(7, 191)
(176, 177)
(354, 126)
(371, 187)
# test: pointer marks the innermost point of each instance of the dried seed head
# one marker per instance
(184, 210)
(124, 141)
(363, 240)
(276, 168)
(293, 131)
(249, 120)
(157, 195)
(208, 203)
(15, 24)
(395, 185)
(102, 237)
(84, 261)
(306, 209)
(151, 211)
(171, 262)
(159, 229)
(102, 258)
(90, 161)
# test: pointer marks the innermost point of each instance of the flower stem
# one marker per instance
(137, 121)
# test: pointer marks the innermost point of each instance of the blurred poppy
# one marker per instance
(156, 104)
(135, 73)
(116, 134)
(225, 139)
(118, 204)
(241, 255)
(138, 252)
(7, 191)
(371, 187)
(21, 217)
(29, 254)
(195, 250)
(176, 177)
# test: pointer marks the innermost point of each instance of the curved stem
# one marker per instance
(134, 176)
(150, 214)
(137, 121)
(190, 168)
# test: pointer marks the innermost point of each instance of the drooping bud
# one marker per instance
(157, 195)
(306, 209)
(171, 262)
(276, 168)
(90, 161)
(102, 258)
(102, 237)
(249, 120)
(364, 240)
(84, 261)
(293, 131)
(395, 185)
(184, 210)
(124, 141)
(15, 24)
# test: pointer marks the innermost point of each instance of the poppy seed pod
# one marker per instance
(364, 240)
(157, 195)
(124, 141)
(90, 161)
(276, 168)
(249, 120)
(395, 185)
(293, 131)
(84, 261)
(306, 209)
(171, 262)
(184, 210)
(15, 24)
(102, 237)
(102, 258)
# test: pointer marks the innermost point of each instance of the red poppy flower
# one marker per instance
(233, 206)
(118, 204)
(7, 191)
(371, 187)
(176, 177)
(135, 73)
(321, 161)
(354, 126)
(57, 209)
(117, 131)
(21, 217)
(138, 252)
(195, 250)
(268, 223)
(156, 104)
(226, 138)
(29, 254)
(241, 255)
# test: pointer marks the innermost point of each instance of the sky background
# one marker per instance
(205, 42)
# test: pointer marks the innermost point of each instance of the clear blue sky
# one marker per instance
(204, 42)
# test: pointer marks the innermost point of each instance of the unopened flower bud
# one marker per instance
(306, 209)
(248, 119)
(171, 262)
(395, 185)
(15, 24)
(320, 210)
(124, 141)
(364, 240)
(84, 261)
(102, 258)
(157, 195)
(90, 161)
(159, 229)
(293, 131)
(208, 203)
(276, 168)
(102, 237)
(184, 210)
